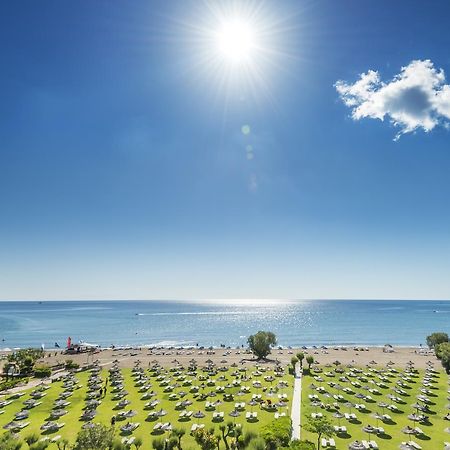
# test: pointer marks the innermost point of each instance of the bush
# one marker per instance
(302, 445)
(277, 433)
(98, 437)
(9, 441)
(435, 339)
(71, 365)
(11, 383)
(443, 353)
(42, 371)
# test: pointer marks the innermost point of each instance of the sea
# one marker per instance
(224, 323)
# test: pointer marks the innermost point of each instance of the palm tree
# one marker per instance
(310, 360)
(138, 442)
(226, 430)
(62, 444)
(300, 356)
(179, 433)
(294, 361)
(31, 439)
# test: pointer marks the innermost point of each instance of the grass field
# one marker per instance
(197, 386)
(329, 383)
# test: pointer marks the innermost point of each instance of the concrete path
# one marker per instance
(297, 403)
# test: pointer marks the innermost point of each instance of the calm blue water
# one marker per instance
(181, 323)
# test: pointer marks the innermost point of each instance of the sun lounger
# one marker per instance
(373, 445)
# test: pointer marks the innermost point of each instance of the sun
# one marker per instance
(236, 48)
(236, 41)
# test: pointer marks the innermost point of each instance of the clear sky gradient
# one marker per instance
(126, 173)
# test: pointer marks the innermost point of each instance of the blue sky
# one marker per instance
(124, 171)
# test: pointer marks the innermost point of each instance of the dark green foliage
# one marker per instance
(30, 439)
(300, 356)
(205, 439)
(42, 371)
(24, 360)
(443, 353)
(41, 445)
(11, 383)
(277, 433)
(310, 361)
(261, 343)
(98, 437)
(70, 365)
(302, 445)
(9, 441)
(320, 426)
(158, 443)
(435, 339)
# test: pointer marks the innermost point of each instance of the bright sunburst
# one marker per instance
(235, 46)
(236, 40)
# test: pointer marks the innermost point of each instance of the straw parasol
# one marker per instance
(356, 445)
(337, 415)
(369, 429)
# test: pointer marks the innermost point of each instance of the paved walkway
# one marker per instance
(297, 403)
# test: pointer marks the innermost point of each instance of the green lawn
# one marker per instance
(434, 435)
(105, 411)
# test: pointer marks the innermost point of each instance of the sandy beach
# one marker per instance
(358, 356)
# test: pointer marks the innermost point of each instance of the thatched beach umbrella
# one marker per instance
(161, 412)
(369, 429)
(350, 405)
(356, 445)
(337, 415)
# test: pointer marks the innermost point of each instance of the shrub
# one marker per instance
(71, 365)
(435, 339)
(42, 371)
(277, 433)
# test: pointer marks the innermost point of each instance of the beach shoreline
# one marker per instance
(358, 356)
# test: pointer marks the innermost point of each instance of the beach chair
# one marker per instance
(365, 444)
(331, 443)
(373, 445)
(324, 443)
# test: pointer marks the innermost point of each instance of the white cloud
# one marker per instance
(416, 98)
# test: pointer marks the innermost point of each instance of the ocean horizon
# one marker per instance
(220, 323)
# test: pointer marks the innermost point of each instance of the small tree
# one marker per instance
(205, 439)
(435, 339)
(30, 439)
(179, 433)
(226, 430)
(261, 343)
(40, 445)
(158, 444)
(277, 433)
(320, 426)
(300, 356)
(62, 444)
(302, 445)
(294, 361)
(310, 361)
(97, 437)
(10, 441)
(138, 443)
